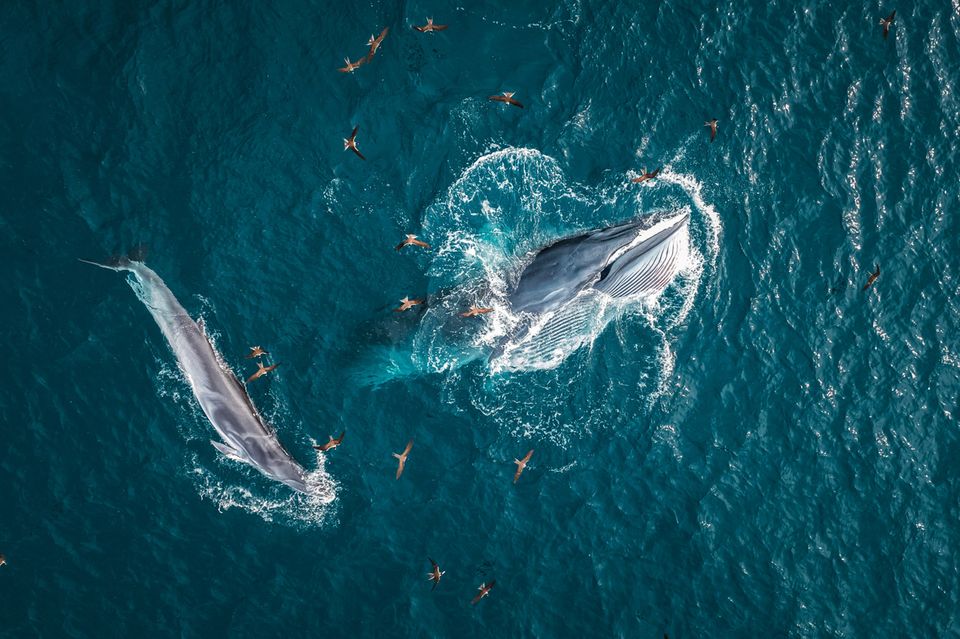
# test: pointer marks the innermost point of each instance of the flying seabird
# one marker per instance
(713, 128)
(886, 22)
(330, 445)
(351, 66)
(873, 278)
(263, 370)
(430, 26)
(406, 304)
(256, 351)
(484, 591)
(521, 464)
(375, 42)
(476, 310)
(435, 573)
(3, 560)
(646, 176)
(351, 143)
(412, 240)
(506, 98)
(403, 458)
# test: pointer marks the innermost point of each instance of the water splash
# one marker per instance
(314, 509)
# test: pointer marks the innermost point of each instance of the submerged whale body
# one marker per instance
(564, 292)
(220, 394)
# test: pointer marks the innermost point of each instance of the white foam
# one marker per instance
(279, 504)
(503, 207)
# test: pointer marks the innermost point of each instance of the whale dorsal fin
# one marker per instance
(232, 453)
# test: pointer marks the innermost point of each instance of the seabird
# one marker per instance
(484, 591)
(330, 445)
(886, 22)
(412, 240)
(263, 370)
(873, 278)
(713, 128)
(351, 143)
(3, 560)
(256, 351)
(403, 458)
(430, 26)
(646, 176)
(521, 464)
(506, 98)
(351, 66)
(375, 42)
(406, 304)
(435, 573)
(476, 310)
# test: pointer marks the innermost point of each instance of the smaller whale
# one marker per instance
(243, 433)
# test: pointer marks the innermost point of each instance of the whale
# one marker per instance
(244, 435)
(563, 291)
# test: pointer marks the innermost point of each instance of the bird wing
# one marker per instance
(419, 28)
(513, 102)
(357, 151)
(406, 451)
(420, 243)
(353, 134)
(439, 27)
(529, 455)
(400, 467)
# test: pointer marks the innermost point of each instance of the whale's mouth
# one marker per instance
(636, 272)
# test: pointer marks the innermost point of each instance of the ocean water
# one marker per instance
(763, 450)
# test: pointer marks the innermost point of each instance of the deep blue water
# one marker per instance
(766, 450)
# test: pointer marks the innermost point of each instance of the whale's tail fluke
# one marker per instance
(114, 264)
(122, 262)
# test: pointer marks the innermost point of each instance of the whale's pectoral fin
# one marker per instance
(232, 453)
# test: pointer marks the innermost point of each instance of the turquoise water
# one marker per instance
(765, 450)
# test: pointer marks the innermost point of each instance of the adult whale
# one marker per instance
(563, 292)
(622, 261)
(220, 394)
